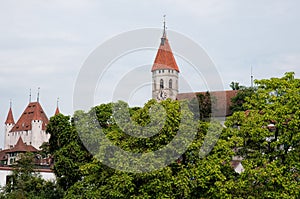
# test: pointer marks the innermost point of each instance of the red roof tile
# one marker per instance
(22, 147)
(33, 111)
(164, 58)
(10, 118)
(222, 100)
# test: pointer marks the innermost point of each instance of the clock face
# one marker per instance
(162, 95)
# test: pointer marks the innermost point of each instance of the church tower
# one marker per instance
(164, 71)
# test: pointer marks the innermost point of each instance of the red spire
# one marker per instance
(164, 58)
(57, 111)
(10, 118)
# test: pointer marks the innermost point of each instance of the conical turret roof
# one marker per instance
(57, 111)
(10, 117)
(164, 58)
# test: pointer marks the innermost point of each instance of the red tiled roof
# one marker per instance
(10, 118)
(3, 154)
(222, 100)
(33, 111)
(164, 58)
(22, 147)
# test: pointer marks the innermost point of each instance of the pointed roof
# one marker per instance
(57, 111)
(10, 117)
(33, 111)
(164, 58)
(22, 147)
(37, 114)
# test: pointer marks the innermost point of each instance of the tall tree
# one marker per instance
(68, 150)
(267, 137)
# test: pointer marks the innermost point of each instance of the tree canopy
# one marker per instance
(262, 134)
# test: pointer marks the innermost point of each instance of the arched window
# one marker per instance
(170, 83)
(161, 83)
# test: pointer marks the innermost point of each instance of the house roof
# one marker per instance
(10, 118)
(22, 147)
(221, 104)
(3, 154)
(33, 111)
(164, 58)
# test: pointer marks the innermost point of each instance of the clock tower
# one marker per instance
(164, 71)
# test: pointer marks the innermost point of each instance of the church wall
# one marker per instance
(165, 75)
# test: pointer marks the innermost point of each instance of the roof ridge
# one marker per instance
(33, 111)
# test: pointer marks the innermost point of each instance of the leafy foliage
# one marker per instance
(201, 106)
(25, 183)
(267, 136)
(241, 97)
(68, 150)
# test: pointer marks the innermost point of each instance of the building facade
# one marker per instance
(31, 127)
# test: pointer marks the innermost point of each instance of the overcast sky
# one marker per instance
(45, 43)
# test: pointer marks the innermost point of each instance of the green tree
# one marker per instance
(201, 106)
(190, 176)
(235, 86)
(241, 97)
(267, 136)
(26, 183)
(68, 150)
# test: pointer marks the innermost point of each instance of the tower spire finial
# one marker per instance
(10, 103)
(164, 33)
(57, 100)
(29, 95)
(251, 78)
(38, 95)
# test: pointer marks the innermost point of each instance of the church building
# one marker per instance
(165, 81)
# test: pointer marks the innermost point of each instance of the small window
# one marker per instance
(170, 83)
(161, 83)
(163, 71)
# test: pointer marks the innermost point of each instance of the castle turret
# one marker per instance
(9, 124)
